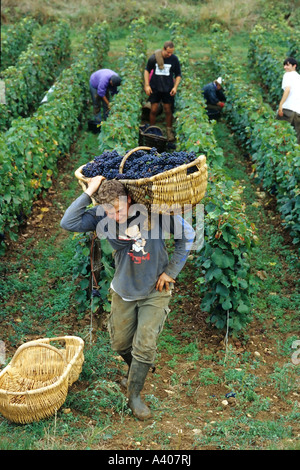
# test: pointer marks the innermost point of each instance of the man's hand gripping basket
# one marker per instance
(34, 385)
(165, 192)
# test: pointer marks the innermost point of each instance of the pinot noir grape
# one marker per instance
(141, 164)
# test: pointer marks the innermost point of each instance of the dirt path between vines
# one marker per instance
(185, 409)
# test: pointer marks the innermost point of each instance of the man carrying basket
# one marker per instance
(144, 276)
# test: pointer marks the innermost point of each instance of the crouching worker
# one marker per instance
(144, 276)
(215, 98)
(103, 84)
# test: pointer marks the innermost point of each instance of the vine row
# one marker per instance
(15, 39)
(34, 71)
(272, 144)
(120, 131)
(31, 148)
(223, 274)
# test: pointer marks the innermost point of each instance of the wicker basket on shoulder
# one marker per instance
(165, 192)
(34, 385)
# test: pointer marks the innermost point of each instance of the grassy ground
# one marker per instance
(196, 367)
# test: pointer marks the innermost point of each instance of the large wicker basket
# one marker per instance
(166, 192)
(34, 385)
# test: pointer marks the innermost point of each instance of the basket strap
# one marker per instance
(128, 155)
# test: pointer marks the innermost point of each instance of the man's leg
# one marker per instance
(122, 323)
(127, 356)
(152, 313)
(287, 116)
(213, 111)
(136, 379)
(169, 121)
(153, 113)
(296, 124)
(96, 103)
(293, 118)
(168, 114)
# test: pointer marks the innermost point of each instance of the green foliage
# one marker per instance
(98, 372)
(35, 70)
(121, 130)
(272, 144)
(223, 267)
(43, 296)
(15, 40)
(286, 379)
(268, 64)
(224, 262)
(32, 146)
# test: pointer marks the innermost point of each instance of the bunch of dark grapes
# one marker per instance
(106, 165)
(141, 164)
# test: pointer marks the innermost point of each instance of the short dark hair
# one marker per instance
(291, 61)
(169, 44)
(116, 80)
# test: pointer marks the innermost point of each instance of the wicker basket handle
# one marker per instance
(128, 155)
(33, 345)
(79, 175)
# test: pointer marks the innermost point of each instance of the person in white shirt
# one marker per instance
(289, 106)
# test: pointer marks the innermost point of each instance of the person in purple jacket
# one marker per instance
(144, 275)
(103, 83)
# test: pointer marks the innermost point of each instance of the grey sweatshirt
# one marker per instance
(140, 255)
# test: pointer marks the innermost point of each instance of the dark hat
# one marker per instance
(116, 80)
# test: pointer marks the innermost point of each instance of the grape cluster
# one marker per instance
(107, 165)
(141, 164)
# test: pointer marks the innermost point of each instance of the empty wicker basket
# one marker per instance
(164, 192)
(34, 385)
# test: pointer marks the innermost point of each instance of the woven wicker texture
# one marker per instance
(167, 191)
(35, 383)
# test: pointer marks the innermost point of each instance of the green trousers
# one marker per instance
(135, 325)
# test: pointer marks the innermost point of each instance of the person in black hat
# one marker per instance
(103, 83)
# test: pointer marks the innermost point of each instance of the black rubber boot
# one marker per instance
(127, 358)
(136, 379)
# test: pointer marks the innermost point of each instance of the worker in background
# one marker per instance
(162, 76)
(103, 84)
(289, 106)
(214, 97)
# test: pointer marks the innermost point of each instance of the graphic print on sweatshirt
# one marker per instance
(165, 71)
(137, 252)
